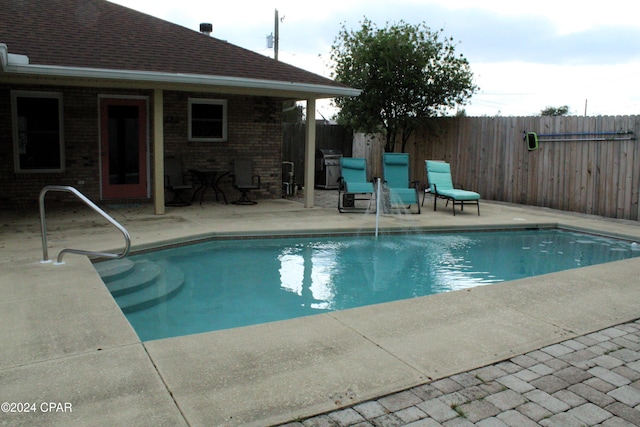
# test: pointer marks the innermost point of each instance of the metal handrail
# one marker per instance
(43, 226)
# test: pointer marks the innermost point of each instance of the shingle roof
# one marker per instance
(103, 35)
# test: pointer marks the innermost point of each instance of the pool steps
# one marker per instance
(141, 284)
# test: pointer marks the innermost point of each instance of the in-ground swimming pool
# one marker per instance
(232, 283)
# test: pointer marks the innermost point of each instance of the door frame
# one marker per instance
(145, 161)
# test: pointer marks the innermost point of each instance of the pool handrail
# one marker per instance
(83, 198)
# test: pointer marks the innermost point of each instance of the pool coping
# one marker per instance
(208, 237)
(62, 348)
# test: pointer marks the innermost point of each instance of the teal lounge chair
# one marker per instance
(441, 186)
(352, 184)
(402, 191)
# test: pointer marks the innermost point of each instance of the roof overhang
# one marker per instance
(19, 66)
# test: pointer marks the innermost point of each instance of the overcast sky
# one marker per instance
(525, 55)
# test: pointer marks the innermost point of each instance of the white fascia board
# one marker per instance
(190, 79)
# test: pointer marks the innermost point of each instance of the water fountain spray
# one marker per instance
(379, 189)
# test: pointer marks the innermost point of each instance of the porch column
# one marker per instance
(158, 151)
(309, 154)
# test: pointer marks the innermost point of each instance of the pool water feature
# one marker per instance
(232, 283)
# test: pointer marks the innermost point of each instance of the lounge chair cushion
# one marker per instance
(399, 160)
(396, 170)
(459, 194)
(353, 183)
(353, 163)
(396, 175)
(359, 187)
(354, 175)
(403, 196)
(439, 176)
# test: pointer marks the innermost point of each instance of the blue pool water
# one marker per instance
(235, 283)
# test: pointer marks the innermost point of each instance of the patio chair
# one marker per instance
(402, 191)
(352, 184)
(244, 180)
(441, 185)
(176, 182)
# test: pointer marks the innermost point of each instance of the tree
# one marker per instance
(406, 73)
(555, 111)
(292, 112)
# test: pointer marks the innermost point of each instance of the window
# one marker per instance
(207, 120)
(37, 131)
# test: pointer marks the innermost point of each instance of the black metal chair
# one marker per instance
(176, 182)
(244, 180)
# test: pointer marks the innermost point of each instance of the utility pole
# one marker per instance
(276, 37)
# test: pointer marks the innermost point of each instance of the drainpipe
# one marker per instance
(7, 58)
(4, 56)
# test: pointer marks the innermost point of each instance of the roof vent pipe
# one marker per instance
(206, 28)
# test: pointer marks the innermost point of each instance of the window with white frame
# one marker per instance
(207, 120)
(38, 137)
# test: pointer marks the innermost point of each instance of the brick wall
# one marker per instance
(254, 130)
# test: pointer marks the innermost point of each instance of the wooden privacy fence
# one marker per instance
(591, 165)
(327, 137)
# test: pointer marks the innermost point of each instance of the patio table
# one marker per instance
(208, 178)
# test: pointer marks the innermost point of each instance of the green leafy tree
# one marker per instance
(555, 111)
(406, 73)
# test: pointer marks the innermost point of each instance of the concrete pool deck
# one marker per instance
(65, 341)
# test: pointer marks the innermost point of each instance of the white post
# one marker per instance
(309, 154)
(158, 151)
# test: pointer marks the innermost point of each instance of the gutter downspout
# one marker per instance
(11, 59)
(4, 56)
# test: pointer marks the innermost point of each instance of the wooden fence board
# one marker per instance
(582, 173)
(581, 159)
(327, 137)
(488, 155)
(634, 164)
(591, 167)
(610, 174)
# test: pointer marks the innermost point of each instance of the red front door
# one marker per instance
(123, 148)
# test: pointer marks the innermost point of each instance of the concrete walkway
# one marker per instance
(65, 341)
(590, 380)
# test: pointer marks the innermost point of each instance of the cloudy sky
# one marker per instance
(525, 55)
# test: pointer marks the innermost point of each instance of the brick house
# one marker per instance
(96, 96)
